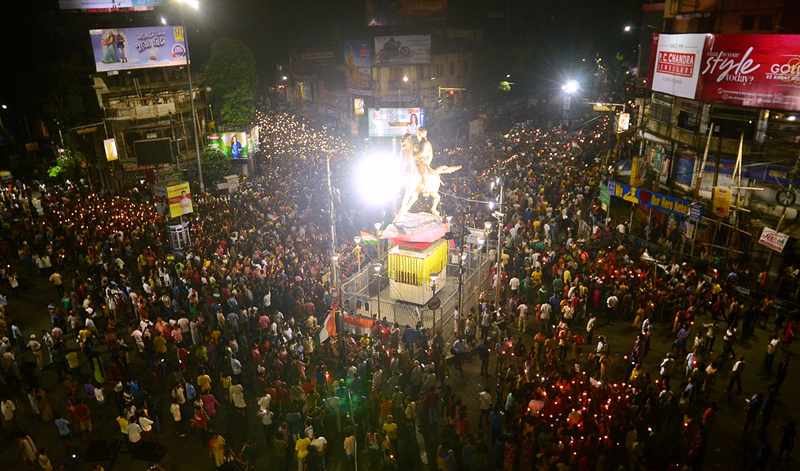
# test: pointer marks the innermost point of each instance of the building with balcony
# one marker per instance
(691, 139)
(148, 114)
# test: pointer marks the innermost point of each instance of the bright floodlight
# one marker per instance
(378, 178)
(357, 239)
(405, 79)
(571, 86)
(192, 3)
(628, 28)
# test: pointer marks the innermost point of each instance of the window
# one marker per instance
(765, 22)
(748, 23)
(688, 120)
(706, 25)
(730, 123)
(452, 68)
(661, 109)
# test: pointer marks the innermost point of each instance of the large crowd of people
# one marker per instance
(160, 341)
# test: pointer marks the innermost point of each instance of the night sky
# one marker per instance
(554, 34)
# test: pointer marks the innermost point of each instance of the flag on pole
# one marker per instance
(329, 327)
(574, 146)
(368, 239)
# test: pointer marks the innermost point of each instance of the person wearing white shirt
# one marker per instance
(264, 402)
(175, 410)
(522, 322)
(134, 432)
(237, 394)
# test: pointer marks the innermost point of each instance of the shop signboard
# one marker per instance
(650, 199)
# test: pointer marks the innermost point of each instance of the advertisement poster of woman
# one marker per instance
(413, 124)
(236, 147)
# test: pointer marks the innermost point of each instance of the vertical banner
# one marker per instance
(683, 169)
(357, 67)
(180, 199)
(110, 146)
(722, 202)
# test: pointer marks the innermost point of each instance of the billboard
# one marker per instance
(108, 4)
(357, 67)
(235, 145)
(389, 122)
(403, 50)
(758, 70)
(675, 63)
(173, 199)
(403, 12)
(138, 48)
(110, 145)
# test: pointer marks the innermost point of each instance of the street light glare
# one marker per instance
(571, 86)
(628, 28)
(405, 79)
(192, 3)
(378, 178)
(163, 21)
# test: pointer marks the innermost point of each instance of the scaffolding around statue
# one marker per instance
(419, 252)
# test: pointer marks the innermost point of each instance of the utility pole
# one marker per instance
(499, 215)
(334, 275)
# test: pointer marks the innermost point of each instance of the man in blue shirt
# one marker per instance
(496, 418)
(64, 432)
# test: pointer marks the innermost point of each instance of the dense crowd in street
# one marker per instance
(162, 342)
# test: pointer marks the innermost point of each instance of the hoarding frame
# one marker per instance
(117, 49)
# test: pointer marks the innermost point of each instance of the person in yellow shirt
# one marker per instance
(391, 432)
(301, 451)
(204, 381)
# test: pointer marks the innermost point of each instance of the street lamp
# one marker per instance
(499, 216)
(569, 88)
(434, 277)
(377, 267)
(196, 5)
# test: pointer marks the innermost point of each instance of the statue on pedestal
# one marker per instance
(419, 176)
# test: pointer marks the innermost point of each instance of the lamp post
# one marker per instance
(432, 287)
(499, 216)
(357, 240)
(377, 267)
(377, 227)
(196, 5)
(333, 224)
(569, 88)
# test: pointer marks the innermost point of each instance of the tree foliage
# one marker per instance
(215, 165)
(69, 166)
(231, 74)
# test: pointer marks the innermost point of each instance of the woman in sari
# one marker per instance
(109, 51)
(44, 405)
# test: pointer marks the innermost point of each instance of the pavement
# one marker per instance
(729, 447)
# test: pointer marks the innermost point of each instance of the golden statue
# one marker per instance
(418, 176)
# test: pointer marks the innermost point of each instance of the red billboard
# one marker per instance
(757, 70)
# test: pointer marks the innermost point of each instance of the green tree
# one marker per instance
(69, 165)
(215, 165)
(231, 74)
